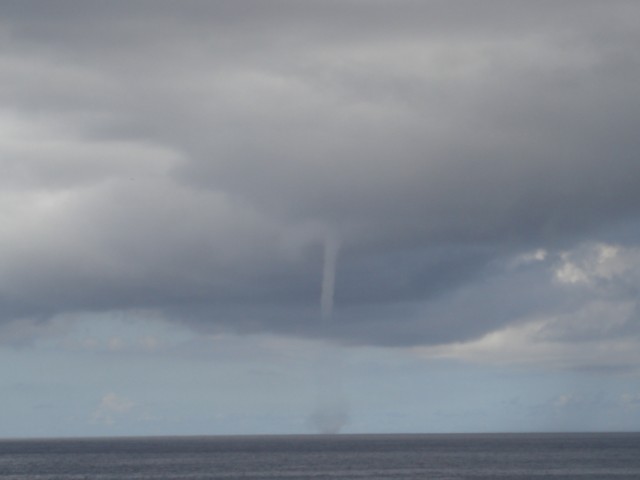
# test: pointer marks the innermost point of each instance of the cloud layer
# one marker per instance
(190, 159)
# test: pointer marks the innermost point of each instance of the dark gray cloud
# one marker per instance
(190, 157)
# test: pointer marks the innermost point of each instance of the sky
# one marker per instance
(250, 217)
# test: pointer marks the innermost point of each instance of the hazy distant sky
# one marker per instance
(170, 172)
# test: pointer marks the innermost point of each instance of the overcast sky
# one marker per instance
(173, 173)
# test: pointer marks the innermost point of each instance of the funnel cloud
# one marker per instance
(332, 407)
(330, 260)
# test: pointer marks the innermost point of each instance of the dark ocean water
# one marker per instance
(438, 457)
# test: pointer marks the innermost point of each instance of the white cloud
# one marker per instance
(564, 400)
(587, 265)
(598, 331)
(595, 328)
(150, 343)
(115, 344)
(111, 408)
(527, 258)
(570, 273)
(113, 403)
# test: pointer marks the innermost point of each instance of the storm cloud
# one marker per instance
(190, 158)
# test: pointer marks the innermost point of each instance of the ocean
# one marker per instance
(433, 457)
